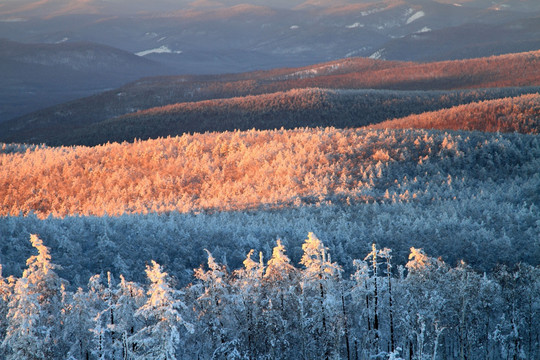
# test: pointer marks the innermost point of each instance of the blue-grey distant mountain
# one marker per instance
(209, 37)
(38, 75)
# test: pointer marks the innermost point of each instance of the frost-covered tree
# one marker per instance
(320, 289)
(280, 310)
(130, 297)
(249, 302)
(160, 336)
(386, 254)
(361, 295)
(423, 298)
(373, 257)
(115, 321)
(26, 337)
(79, 311)
(105, 322)
(34, 309)
(6, 291)
(214, 307)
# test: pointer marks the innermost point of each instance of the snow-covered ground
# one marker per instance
(355, 25)
(160, 50)
(415, 16)
(377, 54)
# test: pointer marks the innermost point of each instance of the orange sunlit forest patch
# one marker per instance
(520, 114)
(245, 170)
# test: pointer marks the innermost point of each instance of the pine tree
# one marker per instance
(386, 254)
(78, 313)
(373, 256)
(160, 337)
(320, 281)
(105, 322)
(281, 292)
(33, 319)
(249, 302)
(6, 292)
(129, 298)
(115, 321)
(213, 305)
(361, 294)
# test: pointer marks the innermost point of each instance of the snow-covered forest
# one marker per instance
(275, 308)
(426, 199)
(335, 207)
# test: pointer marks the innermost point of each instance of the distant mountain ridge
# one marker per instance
(36, 75)
(233, 36)
(68, 123)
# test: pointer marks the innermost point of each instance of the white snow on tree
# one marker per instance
(160, 338)
(33, 326)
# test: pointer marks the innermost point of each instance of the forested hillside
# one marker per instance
(288, 110)
(515, 70)
(285, 179)
(431, 230)
(458, 195)
(258, 169)
(276, 309)
(519, 114)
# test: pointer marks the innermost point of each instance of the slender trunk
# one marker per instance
(462, 331)
(325, 335)
(367, 307)
(250, 331)
(345, 324)
(125, 347)
(322, 304)
(487, 334)
(302, 329)
(436, 345)
(375, 315)
(374, 254)
(392, 340)
(113, 334)
(530, 321)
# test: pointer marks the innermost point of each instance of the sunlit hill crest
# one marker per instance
(71, 122)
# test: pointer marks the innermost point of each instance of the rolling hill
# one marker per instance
(520, 70)
(519, 114)
(214, 37)
(255, 169)
(291, 109)
(460, 194)
(429, 168)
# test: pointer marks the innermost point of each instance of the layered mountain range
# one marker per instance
(208, 37)
(346, 93)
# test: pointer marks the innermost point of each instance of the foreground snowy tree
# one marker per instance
(78, 314)
(214, 306)
(281, 292)
(160, 336)
(6, 291)
(33, 318)
(321, 293)
(249, 301)
(115, 321)
(427, 310)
